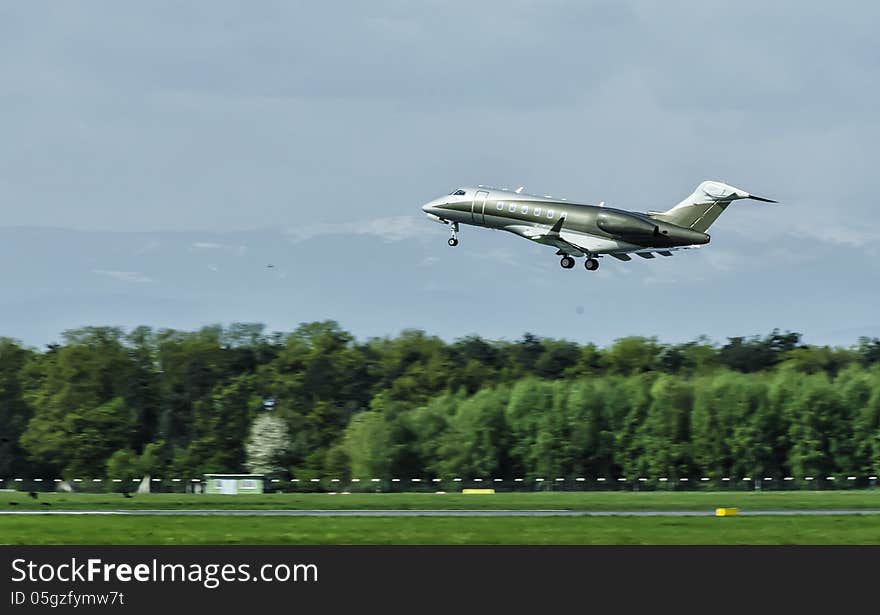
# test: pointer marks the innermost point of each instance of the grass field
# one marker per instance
(63, 529)
(592, 500)
(55, 530)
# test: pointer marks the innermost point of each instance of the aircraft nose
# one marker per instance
(426, 207)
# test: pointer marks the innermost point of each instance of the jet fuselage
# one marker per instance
(611, 229)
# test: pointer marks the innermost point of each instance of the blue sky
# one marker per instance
(156, 158)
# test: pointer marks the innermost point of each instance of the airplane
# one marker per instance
(592, 231)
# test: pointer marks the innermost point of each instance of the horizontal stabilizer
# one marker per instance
(699, 210)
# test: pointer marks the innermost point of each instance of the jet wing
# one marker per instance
(568, 244)
(580, 244)
(645, 253)
(550, 237)
(649, 253)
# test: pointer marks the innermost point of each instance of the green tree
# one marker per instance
(81, 442)
(142, 390)
(755, 354)
(192, 364)
(14, 409)
(368, 445)
(80, 411)
(632, 355)
(591, 436)
(665, 433)
(530, 399)
(759, 440)
(558, 356)
(734, 430)
(814, 413)
(627, 403)
(860, 396)
(589, 362)
(429, 424)
(123, 467)
(475, 444)
(220, 427)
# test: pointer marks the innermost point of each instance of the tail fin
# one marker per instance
(702, 208)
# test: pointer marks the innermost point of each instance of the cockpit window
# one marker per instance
(458, 192)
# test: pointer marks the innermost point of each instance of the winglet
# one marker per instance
(553, 233)
(557, 226)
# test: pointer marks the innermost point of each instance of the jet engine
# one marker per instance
(618, 223)
(648, 232)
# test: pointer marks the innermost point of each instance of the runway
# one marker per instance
(435, 513)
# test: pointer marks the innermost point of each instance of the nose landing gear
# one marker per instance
(453, 241)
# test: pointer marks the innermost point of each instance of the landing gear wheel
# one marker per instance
(453, 241)
(591, 264)
(567, 262)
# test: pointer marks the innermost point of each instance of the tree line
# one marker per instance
(315, 402)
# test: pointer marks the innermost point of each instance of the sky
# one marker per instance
(156, 157)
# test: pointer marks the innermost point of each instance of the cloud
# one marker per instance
(150, 246)
(208, 245)
(125, 276)
(839, 235)
(722, 260)
(663, 279)
(392, 228)
(817, 229)
(503, 256)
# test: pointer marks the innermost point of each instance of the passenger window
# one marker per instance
(524, 209)
(537, 211)
(550, 213)
(499, 206)
(512, 207)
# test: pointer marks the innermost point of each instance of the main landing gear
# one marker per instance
(591, 263)
(453, 241)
